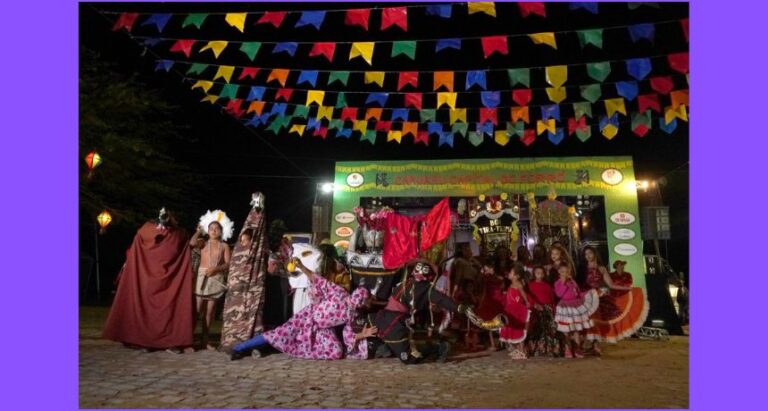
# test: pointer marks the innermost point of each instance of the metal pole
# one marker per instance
(98, 273)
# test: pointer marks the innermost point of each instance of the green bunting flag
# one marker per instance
(591, 92)
(407, 48)
(336, 123)
(522, 76)
(196, 19)
(250, 49)
(301, 111)
(584, 134)
(197, 68)
(229, 91)
(593, 37)
(460, 128)
(341, 100)
(475, 138)
(582, 109)
(599, 71)
(342, 76)
(369, 135)
(428, 115)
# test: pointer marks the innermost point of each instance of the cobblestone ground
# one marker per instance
(633, 374)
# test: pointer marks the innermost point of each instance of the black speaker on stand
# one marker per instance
(662, 313)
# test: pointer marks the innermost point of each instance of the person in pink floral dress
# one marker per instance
(310, 333)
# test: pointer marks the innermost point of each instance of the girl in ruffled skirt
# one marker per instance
(574, 310)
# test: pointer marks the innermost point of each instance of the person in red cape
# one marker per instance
(153, 306)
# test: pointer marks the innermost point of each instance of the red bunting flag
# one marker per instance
(422, 137)
(358, 17)
(408, 77)
(125, 21)
(574, 125)
(274, 18)
(183, 46)
(684, 24)
(534, 7)
(413, 100)
(285, 93)
(647, 101)
(488, 114)
(382, 125)
(529, 136)
(233, 108)
(322, 131)
(349, 113)
(323, 49)
(663, 84)
(397, 16)
(522, 96)
(641, 130)
(495, 44)
(678, 62)
(248, 72)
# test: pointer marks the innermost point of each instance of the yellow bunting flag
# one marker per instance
(542, 126)
(256, 107)
(411, 128)
(487, 7)
(520, 113)
(501, 137)
(203, 84)
(360, 125)
(325, 112)
(679, 97)
(376, 77)
(236, 20)
(216, 46)
(394, 135)
(556, 94)
(459, 114)
(315, 96)
(556, 75)
(362, 49)
(224, 72)
(670, 113)
(281, 75)
(446, 98)
(297, 128)
(613, 105)
(443, 78)
(544, 38)
(211, 98)
(610, 131)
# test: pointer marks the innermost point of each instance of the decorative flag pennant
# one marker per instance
(256, 107)
(344, 132)
(369, 136)
(544, 38)
(556, 94)
(274, 18)
(614, 105)
(159, 20)
(542, 126)
(522, 96)
(439, 10)
(591, 92)
(519, 76)
(593, 37)
(323, 49)
(667, 127)
(679, 97)
(599, 71)
(532, 7)
(556, 75)
(490, 98)
(609, 126)
(550, 111)
(216, 46)
(584, 135)
(381, 125)
(257, 120)
(459, 114)
(376, 77)
(663, 84)
(322, 132)
(520, 114)
(649, 101)
(335, 124)
(287, 46)
(443, 79)
(400, 114)
(224, 72)
(641, 123)
(236, 20)
(485, 128)
(394, 135)
(487, 7)
(518, 128)
(281, 75)
(446, 98)
(422, 137)
(284, 93)
(556, 137)
(364, 50)
(446, 137)
(670, 113)
(278, 123)
(210, 98)
(433, 127)
(407, 48)
(164, 65)
(349, 113)
(413, 100)
(627, 89)
(411, 128)
(358, 17)
(488, 116)
(256, 93)
(494, 44)
(315, 96)
(250, 48)
(300, 111)
(582, 109)
(460, 128)
(644, 31)
(183, 46)
(529, 137)
(340, 76)
(588, 6)
(476, 77)
(379, 98)
(229, 91)
(448, 44)
(684, 26)
(576, 124)
(308, 76)
(639, 68)
(475, 138)
(325, 112)
(678, 62)
(233, 108)
(501, 137)
(194, 19)
(197, 68)
(311, 18)
(341, 100)
(297, 128)
(397, 16)
(407, 77)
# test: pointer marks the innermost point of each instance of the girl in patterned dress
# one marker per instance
(543, 338)
(574, 310)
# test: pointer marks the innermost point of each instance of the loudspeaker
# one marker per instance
(662, 307)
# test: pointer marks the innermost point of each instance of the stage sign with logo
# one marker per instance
(610, 177)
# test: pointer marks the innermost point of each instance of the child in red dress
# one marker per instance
(518, 315)
(543, 339)
(574, 310)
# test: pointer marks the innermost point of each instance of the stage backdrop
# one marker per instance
(611, 177)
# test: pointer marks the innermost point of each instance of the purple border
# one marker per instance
(40, 136)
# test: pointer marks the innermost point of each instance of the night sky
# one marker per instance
(234, 158)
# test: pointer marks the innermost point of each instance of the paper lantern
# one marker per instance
(104, 219)
(93, 160)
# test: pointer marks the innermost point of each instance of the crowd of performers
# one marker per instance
(532, 304)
